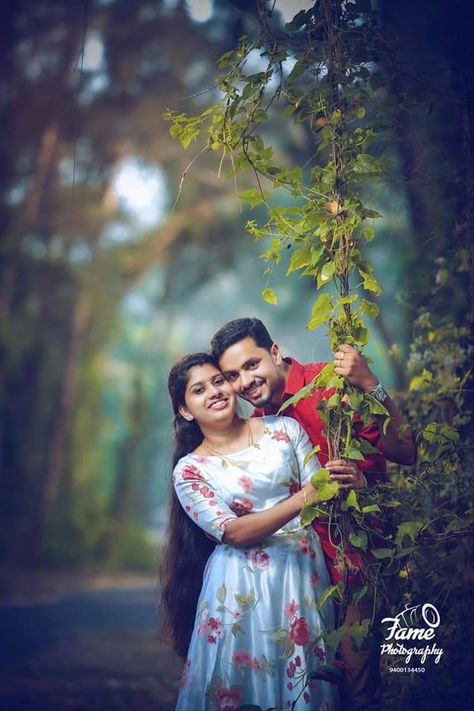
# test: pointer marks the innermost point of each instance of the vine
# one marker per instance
(323, 72)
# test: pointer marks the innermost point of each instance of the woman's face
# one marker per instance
(208, 397)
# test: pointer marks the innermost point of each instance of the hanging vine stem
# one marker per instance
(334, 48)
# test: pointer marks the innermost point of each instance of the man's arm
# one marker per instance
(398, 443)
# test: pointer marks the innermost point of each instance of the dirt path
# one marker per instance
(86, 650)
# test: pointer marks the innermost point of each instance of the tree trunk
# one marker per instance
(69, 387)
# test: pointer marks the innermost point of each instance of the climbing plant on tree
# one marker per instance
(324, 73)
(331, 49)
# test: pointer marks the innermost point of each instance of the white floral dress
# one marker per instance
(258, 634)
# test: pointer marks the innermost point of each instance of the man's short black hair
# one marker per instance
(237, 330)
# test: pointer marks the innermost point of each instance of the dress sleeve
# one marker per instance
(199, 499)
(301, 445)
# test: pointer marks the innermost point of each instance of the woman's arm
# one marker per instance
(254, 527)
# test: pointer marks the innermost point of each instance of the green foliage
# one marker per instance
(316, 218)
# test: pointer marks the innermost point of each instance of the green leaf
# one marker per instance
(269, 296)
(333, 639)
(320, 477)
(421, 382)
(221, 592)
(240, 599)
(251, 597)
(300, 258)
(353, 453)
(371, 508)
(304, 392)
(370, 282)
(369, 233)
(359, 539)
(369, 308)
(327, 593)
(253, 196)
(382, 552)
(308, 514)
(311, 454)
(321, 308)
(376, 407)
(326, 274)
(351, 501)
(328, 491)
(359, 593)
(358, 632)
(408, 528)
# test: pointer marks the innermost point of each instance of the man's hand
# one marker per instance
(397, 442)
(347, 474)
(349, 363)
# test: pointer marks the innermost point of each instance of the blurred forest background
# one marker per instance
(103, 285)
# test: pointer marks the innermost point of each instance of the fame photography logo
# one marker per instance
(410, 638)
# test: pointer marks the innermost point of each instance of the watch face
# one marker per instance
(379, 392)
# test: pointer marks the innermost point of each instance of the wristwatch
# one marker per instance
(379, 392)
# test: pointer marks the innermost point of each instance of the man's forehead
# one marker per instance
(237, 354)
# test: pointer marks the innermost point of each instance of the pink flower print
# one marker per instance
(195, 515)
(246, 483)
(280, 436)
(213, 503)
(190, 471)
(229, 699)
(304, 545)
(299, 631)
(307, 698)
(241, 507)
(187, 509)
(195, 486)
(291, 608)
(206, 492)
(212, 627)
(319, 653)
(243, 658)
(289, 686)
(291, 670)
(258, 557)
(314, 579)
(298, 661)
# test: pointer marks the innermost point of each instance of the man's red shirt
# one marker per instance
(306, 413)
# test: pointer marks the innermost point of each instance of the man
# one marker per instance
(253, 364)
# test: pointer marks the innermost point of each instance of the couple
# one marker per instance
(256, 635)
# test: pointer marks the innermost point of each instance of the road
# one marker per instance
(86, 651)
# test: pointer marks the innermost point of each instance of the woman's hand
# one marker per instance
(309, 493)
(347, 474)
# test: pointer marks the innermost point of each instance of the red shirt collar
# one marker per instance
(295, 380)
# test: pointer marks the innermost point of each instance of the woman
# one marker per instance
(257, 634)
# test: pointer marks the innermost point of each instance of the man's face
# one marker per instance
(254, 373)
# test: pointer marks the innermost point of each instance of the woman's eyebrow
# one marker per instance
(194, 383)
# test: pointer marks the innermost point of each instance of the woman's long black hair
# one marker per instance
(186, 548)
